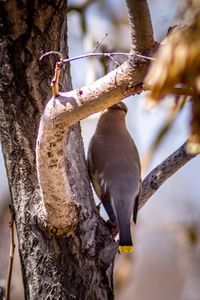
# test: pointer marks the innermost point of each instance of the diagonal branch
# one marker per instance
(163, 171)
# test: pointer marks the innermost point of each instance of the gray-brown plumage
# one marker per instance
(114, 168)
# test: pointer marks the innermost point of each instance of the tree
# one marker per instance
(66, 249)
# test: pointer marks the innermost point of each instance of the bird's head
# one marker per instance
(119, 106)
(117, 110)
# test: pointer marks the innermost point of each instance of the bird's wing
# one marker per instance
(101, 188)
(136, 204)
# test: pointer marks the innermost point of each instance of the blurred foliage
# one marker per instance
(174, 110)
(193, 234)
(178, 64)
(81, 9)
(95, 19)
(122, 270)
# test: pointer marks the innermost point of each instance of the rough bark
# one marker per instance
(141, 27)
(77, 267)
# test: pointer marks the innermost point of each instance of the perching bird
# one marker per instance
(114, 168)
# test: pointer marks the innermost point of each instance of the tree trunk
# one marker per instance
(71, 267)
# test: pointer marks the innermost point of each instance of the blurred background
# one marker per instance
(166, 260)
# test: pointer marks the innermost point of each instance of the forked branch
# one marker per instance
(60, 204)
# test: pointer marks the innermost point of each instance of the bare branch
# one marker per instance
(163, 171)
(141, 27)
(99, 43)
(12, 252)
(106, 54)
(59, 64)
(50, 53)
(96, 54)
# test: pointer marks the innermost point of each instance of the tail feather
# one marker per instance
(125, 240)
(123, 211)
(135, 209)
(123, 249)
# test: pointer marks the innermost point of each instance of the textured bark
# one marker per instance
(141, 27)
(72, 267)
(163, 171)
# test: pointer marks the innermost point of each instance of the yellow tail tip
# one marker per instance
(125, 249)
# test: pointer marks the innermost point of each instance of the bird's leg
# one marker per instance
(55, 80)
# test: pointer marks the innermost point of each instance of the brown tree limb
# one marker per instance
(12, 252)
(141, 27)
(163, 171)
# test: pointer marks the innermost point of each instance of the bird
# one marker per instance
(115, 171)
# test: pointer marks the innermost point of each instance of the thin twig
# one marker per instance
(146, 57)
(12, 252)
(50, 53)
(106, 54)
(99, 43)
(103, 54)
(114, 60)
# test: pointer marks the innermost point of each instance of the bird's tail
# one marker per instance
(123, 249)
(123, 211)
(125, 240)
